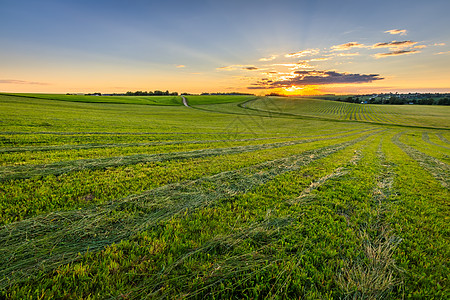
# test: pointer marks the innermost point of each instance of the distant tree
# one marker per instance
(443, 101)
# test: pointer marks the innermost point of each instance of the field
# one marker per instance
(233, 197)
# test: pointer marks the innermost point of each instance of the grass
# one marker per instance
(236, 198)
(406, 115)
(207, 99)
(142, 100)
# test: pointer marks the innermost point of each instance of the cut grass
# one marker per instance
(271, 204)
(140, 100)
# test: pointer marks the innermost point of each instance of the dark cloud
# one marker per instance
(13, 81)
(395, 53)
(250, 68)
(316, 78)
(394, 44)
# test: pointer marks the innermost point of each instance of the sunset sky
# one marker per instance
(293, 47)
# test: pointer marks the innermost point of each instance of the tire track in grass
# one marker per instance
(415, 140)
(426, 139)
(442, 138)
(437, 168)
(50, 240)
(29, 171)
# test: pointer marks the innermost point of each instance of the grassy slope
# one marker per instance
(143, 100)
(176, 202)
(199, 100)
(426, 115)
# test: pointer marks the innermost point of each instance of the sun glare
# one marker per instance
(304, 90)
(293, 89)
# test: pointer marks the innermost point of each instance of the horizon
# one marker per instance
(260, 47)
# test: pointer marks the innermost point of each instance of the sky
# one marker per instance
(254, 46)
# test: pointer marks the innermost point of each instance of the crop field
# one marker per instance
(407, 115)
(234, 197)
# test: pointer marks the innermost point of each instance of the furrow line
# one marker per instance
(437, 168)
(426, 139)
(29, 171)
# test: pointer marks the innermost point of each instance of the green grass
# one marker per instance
(207, 99)
(407, 115)
(233, 198)
(143, 100)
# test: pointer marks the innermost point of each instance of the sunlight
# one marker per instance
(304, 90)
(293, 89)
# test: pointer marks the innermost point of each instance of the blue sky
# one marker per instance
(195, 46)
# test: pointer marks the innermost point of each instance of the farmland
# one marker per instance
(233, 197)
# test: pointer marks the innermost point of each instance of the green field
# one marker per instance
(405, 115)
(143, 100)
(235, 197)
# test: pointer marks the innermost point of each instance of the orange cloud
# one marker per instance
(270, 58)
(302, 78)
(318, 59)
(303, 64)
(396, 53)
(303, 53)
(347, 46)
(397, 31)
(181, 66)
(238, 67)
(348, 54)
(394, 44)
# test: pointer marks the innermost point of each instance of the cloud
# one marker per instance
(419, 47)
(396, 53)
(227, 68)
(237, 67)
(397, 31)
(300, 64)
(348, 54)
(13, 81)
(394, 44)
(439, 44)
(347, 46)
(318, 59)
(181, 66)
(270, 58)
(301, 78)
(440, 53)
(307, 52)
(251, 68)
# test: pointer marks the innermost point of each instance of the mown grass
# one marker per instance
(220, 99)
(408, 115)
(222, 201)
(142, 100)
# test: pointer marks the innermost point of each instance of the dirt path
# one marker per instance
(185, 103)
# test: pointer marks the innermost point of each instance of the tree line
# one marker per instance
(396, 100)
